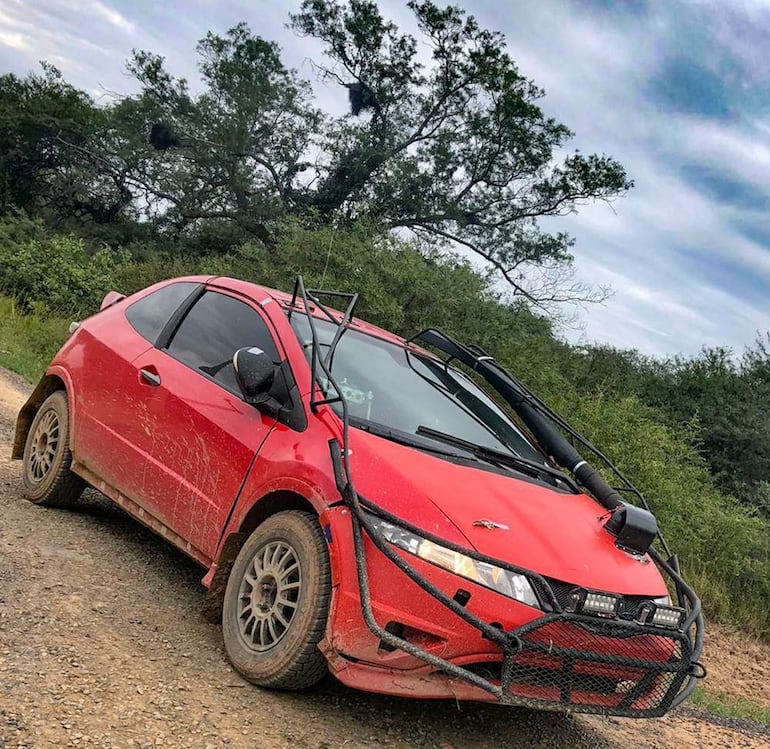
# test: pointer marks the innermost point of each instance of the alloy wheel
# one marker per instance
(45, 443)
(268, 595)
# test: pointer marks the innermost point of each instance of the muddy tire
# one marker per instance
(277, 602)
(46, 474)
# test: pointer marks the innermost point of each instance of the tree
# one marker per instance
(454, 149)
(232, 153)
(51, 140)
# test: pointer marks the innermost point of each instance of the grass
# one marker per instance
(28, 342)
(730, 706)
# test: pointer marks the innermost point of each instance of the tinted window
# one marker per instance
(213, 330)
(150, 314)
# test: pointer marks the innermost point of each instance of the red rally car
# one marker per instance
(363, 505)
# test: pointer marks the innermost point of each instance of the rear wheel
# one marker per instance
(47, 476)
(277, 602)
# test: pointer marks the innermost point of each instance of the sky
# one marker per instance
(678, 92)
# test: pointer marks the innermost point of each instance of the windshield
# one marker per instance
(386, 384)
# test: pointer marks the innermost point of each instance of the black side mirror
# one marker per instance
(254, 372)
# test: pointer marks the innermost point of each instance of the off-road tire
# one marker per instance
(46, 476)
(293, 660)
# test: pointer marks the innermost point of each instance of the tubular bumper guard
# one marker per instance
(562, 660)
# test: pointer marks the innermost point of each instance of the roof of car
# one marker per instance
(260, 294)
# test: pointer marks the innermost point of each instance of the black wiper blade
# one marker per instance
(402, 438)
(489, 454)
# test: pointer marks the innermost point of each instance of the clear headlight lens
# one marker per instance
(495, 578)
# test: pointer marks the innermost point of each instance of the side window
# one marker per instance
(213, 330)
(151, 313)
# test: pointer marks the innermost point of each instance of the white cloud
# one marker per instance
(112, 16)
(683, 272)
(15, 40)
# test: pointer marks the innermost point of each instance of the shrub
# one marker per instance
(57, 273)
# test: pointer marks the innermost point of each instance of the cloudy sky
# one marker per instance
(679, 92)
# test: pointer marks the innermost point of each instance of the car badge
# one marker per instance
(491, 524)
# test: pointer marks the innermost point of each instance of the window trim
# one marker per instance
(183, 305)
(167, 336)
(173, 322)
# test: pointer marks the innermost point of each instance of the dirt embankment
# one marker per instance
(102, 645)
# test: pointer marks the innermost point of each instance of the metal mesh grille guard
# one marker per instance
(590, 665)
(561, 660)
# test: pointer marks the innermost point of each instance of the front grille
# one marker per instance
(593, 665)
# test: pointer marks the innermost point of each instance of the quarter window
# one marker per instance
(151, 313)
(213, 330)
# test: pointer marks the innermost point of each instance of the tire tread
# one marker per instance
(308, 666)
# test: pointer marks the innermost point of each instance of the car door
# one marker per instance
(111, 425)
(201, 435)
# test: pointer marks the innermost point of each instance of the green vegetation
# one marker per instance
(724, 546)
(450, 146)
(729, 706)
(249, 178)
(28, 341)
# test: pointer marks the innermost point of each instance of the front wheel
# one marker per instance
(46, 475)
(277, 602)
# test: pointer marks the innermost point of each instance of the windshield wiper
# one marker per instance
(489, 454)
(402, 438)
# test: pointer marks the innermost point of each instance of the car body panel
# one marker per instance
(556, 533)
(197, 441)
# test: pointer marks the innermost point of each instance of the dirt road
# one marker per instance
(102, 645)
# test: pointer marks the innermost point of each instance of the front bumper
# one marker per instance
(556, 660)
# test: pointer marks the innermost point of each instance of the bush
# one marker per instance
(28, 342)
(57, 273)
(724, 549)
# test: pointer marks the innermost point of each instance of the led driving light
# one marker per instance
(600, 604)
(667, 616)
(660, 614)
(495, 578)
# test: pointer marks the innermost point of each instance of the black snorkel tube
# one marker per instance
(550, 439)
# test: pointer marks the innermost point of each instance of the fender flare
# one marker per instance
(53, 379)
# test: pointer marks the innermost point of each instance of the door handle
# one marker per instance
(150, 377)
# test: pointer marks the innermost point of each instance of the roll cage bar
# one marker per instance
(690, 634)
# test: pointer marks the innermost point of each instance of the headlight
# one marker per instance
(495, 578)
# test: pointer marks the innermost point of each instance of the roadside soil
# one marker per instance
(102, 645)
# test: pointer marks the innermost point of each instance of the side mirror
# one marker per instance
(254, 372)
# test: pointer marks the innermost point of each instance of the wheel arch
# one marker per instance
(276, 501)
(50, 383)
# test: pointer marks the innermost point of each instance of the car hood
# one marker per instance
(555, 534)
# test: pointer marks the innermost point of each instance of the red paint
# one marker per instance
(177, 456)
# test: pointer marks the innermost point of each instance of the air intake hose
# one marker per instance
(557, 446)
(550, 438)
